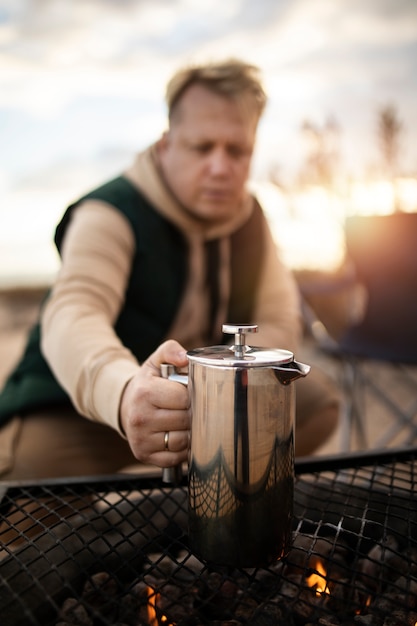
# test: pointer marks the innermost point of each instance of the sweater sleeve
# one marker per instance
(78, 339)
(277, 308)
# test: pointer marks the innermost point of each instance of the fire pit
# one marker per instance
(113, 551)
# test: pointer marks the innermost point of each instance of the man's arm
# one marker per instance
(78, 339)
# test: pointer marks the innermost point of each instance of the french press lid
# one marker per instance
(239, 354)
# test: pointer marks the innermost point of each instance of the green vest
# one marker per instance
(154, 291)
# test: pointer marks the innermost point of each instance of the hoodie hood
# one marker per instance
(145, 174)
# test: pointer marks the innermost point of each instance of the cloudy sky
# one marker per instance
(82, 86)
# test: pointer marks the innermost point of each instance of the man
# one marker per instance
(153, 263)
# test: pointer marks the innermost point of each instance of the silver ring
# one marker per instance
(166, 440)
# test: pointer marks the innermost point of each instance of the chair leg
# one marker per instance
(405, 418)
(353, 410)
(359, 387)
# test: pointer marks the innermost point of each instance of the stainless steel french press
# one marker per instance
(241, 459)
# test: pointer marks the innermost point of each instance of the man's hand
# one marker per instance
(152, 406)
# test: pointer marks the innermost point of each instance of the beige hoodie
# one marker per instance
(78, 339)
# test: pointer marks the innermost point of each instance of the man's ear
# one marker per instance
(162, 144)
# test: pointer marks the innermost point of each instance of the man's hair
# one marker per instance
(232, 79)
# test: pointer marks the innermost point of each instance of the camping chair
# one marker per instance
(378, 354)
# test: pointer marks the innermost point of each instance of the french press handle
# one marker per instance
(172, 475)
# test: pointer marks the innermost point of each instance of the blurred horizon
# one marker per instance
(82, 88)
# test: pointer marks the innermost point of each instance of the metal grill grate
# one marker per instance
(85, 549)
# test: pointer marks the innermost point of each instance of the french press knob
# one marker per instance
(239, 331)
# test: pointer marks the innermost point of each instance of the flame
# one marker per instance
(367, 603)
(152, 601)
(153, 618)
(318, 580)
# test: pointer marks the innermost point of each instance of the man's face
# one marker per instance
(206, 154)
